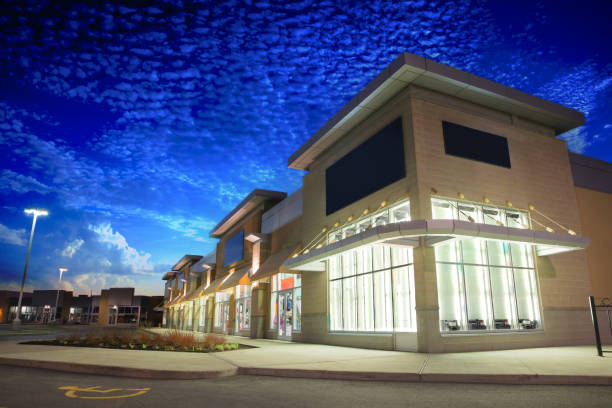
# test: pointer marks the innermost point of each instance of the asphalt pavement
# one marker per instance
(30, 387)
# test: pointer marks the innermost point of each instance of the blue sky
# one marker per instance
(140, 125)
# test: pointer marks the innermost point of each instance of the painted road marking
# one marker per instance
(71, 392)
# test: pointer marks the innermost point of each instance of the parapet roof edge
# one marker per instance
(255, 197)
(184, 260)
(410, 68)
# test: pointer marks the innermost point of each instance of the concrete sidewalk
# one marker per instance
(556, 365)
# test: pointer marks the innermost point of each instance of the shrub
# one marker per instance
(219, 347)
(213, 339)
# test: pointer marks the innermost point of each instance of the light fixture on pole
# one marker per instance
(37, 212)
(61, 271)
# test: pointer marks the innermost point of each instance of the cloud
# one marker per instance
(138, 262)
(12, 236)
(72, 247)
(12, 181)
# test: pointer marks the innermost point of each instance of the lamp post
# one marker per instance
(37, 212)
(59, 284)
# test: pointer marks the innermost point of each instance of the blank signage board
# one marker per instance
(374, 164)
(476, 145)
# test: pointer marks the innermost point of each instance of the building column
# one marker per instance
(260, 306)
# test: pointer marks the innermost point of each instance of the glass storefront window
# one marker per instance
(243, 307)
(485, 284)
(222, 305)
(371, 289)
(286, 304)
(396, 213)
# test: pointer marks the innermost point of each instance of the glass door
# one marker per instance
(285, 306)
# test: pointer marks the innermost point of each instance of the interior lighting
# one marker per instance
(461, 195)
(366, 211)
(324, 229)
(350, 218)
(486, 200)
(337, 224)
(384, 203)
(550, 229)
(509, 203)
(319, 246)
(306, 251)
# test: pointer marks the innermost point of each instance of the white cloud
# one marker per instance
(72, 247)
(11, 181)
(11, 236)
(139, 262)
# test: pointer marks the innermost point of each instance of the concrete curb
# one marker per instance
(511, 379)
(117, 371)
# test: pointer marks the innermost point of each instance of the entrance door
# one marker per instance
(285, 307)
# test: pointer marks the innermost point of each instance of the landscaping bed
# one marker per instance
(135, 339)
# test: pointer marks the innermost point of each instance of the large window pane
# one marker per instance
(441, 209)
(449, 298)
(526, 298)
(333, 267)
(502, 296)
(476, 297)
(349, 304)
(521, 255)
(402, 299)
(382, 301)
(400, 256)
(447, 252)
(335, 305)
(498, 253)
(472, 251)
(273, 311)
(381, 257)
(364, 259)
(297, 309)
(365, 303)
(348, 263)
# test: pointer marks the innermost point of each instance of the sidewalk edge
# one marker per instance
(117, 371)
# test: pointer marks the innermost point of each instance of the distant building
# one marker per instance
(119, 307)
(8, 305)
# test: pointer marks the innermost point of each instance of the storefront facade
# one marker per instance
(438, 213)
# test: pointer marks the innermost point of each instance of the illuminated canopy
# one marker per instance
(435, 232)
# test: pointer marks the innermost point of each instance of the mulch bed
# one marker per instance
(182, 349)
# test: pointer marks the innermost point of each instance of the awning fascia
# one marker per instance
(275, 263)
(234, 279)
(435, 232)
(212, 288)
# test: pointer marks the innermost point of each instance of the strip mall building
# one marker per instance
(439, 213)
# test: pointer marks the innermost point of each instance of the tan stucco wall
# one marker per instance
(596, 219)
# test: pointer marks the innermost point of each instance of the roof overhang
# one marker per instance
(169, 275)
(202, 266)
(410, 69)
(251, 201)
(187, 259)
(434, 232)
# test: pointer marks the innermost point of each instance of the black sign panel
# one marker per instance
(476, 145)
(374, 164)
(234, 248)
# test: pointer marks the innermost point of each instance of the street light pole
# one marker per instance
(61, 271)
(36, 212)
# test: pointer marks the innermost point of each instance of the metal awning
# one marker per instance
(274, 263)
(212, 288)
(434, 232)
(236, 278)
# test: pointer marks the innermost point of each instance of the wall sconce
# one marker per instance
(461, 196)
(486, 200)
